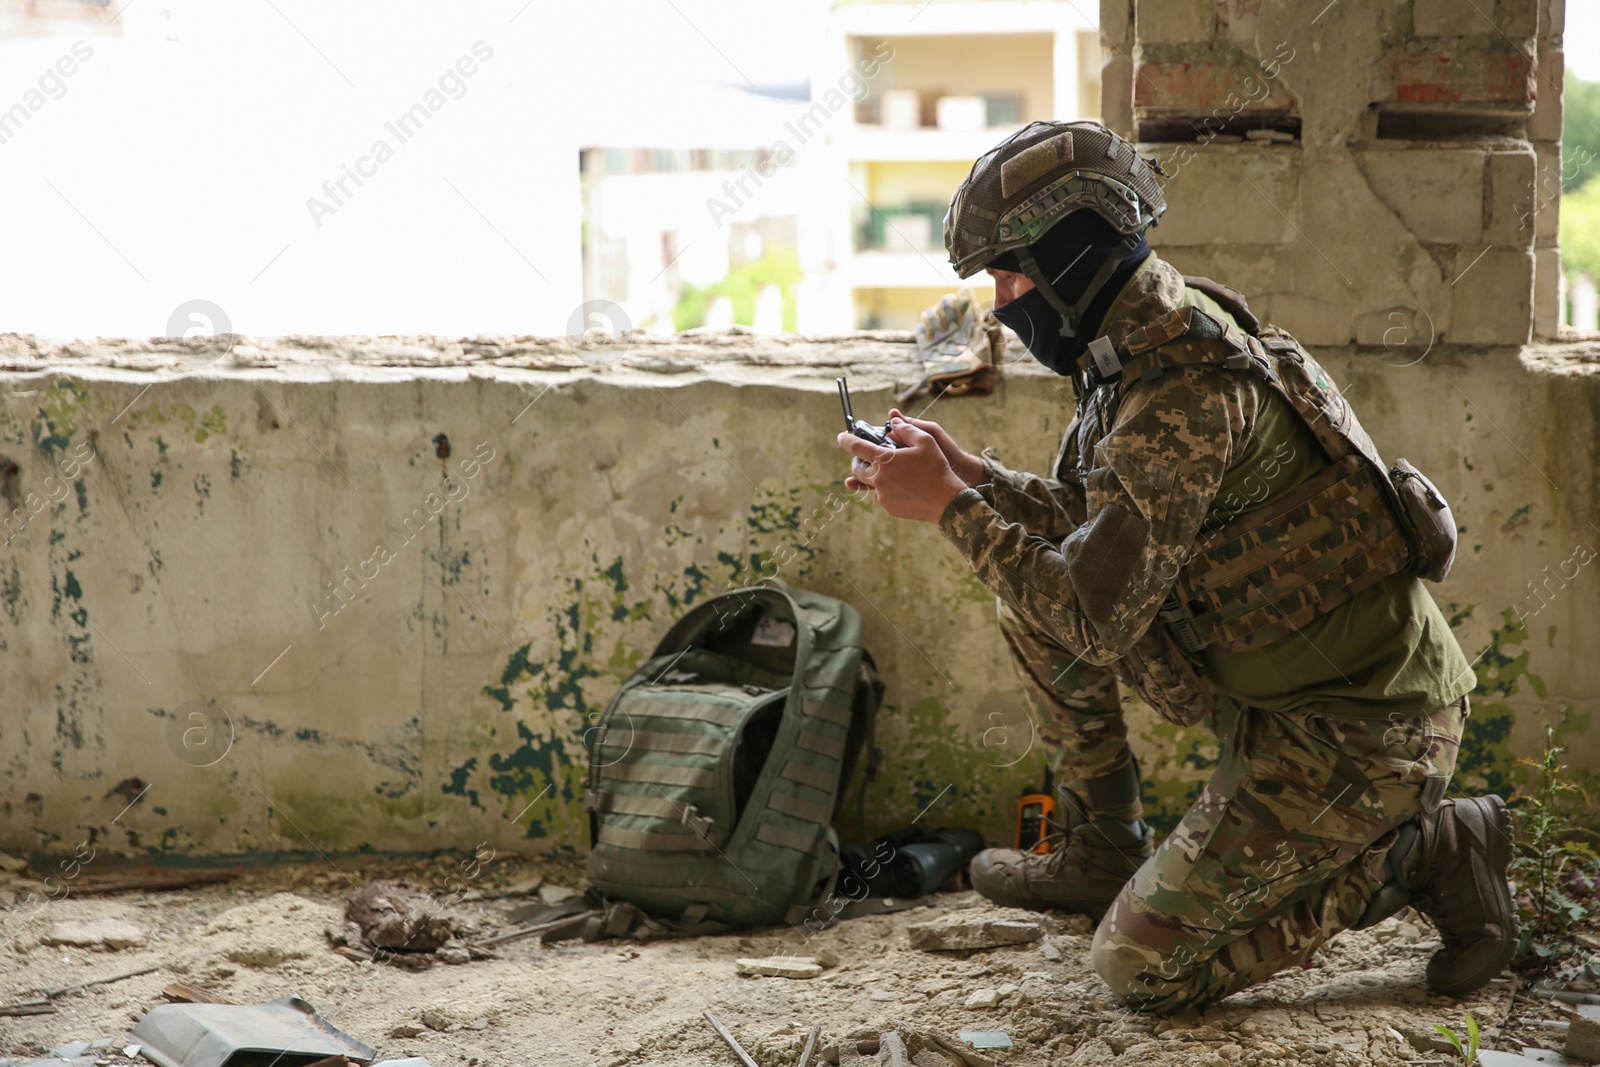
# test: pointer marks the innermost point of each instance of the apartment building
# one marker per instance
(951, 80)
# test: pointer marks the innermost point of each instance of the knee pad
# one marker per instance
(1118, 961)
(1139, 972)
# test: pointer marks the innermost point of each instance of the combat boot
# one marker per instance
(1451, 864)
(1088, 863)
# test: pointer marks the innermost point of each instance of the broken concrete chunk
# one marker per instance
(434, 1019)
(958, 931)
(555, 894)
(1051, 953)
(1583, 1039)
(983, 998)
(110, 933)
(524, 887)
(780, 967)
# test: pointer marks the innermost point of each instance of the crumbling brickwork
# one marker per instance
(1370, 172)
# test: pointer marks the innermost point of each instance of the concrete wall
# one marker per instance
(360, 593)
(345, 592)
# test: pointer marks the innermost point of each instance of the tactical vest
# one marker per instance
(1269, 571)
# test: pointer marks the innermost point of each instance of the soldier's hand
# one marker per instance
(911, 482)
(968, 468)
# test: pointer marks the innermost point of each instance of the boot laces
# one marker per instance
(1050, 863)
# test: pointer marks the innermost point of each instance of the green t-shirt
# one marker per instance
(1387, 651)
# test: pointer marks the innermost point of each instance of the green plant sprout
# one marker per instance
(1555, 869)
(1467, 1052)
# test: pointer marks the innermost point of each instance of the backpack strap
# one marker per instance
(1183, 337)
(863, 736)
(1231, 299)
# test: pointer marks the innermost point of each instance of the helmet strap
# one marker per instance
(1072, 315)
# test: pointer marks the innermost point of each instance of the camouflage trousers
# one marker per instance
(1078, 709)
(1283, 849)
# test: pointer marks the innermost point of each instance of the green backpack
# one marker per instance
(715, 771)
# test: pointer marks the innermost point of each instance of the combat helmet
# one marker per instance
(1035, 178)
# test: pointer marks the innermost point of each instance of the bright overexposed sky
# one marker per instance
(184, 158)
(1582, 39)
(176, 161)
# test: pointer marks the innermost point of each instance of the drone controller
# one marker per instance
(860, 427)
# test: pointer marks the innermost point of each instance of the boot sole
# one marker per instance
(1497, 854)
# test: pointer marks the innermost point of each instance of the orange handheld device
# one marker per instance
(1035, 813)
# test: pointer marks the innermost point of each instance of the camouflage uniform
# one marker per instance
(1079, 711)
(1287, 843)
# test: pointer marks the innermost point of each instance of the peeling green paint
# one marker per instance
(11, 594)
(457, 785)
(197, 426)
(1487, 762)
(1517, 518)
(52, 430)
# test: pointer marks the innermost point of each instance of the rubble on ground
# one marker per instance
(97, 933)
(622, 1002)
(779, 967)
(968, 931)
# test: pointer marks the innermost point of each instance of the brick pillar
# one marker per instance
(1367, 171)
(1544, 130)
(1116, 72)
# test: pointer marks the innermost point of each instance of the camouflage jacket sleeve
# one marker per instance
(1045, 507)
(1153, 479)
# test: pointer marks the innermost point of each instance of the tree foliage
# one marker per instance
(1580, 230)
(1580, 132)
(780, 267)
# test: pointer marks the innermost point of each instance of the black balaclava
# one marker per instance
(1070, 254)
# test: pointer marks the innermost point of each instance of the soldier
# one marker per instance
(1218, 533)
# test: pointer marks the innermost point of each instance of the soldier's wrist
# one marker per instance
(959, 504)
(974, 470)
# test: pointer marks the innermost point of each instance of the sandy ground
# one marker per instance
(624, 1003)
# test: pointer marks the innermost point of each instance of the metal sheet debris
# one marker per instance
(210, 1035)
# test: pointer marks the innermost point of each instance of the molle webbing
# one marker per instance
(1182, 337)
(1276, 568)
(715, 771)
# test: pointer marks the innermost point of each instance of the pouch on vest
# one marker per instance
(1427, 521)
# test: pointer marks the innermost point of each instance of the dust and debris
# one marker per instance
(1360, 1001)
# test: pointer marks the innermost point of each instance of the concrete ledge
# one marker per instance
(376, 602)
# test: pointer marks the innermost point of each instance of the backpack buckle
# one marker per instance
(1176, 614)
(700, 824)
